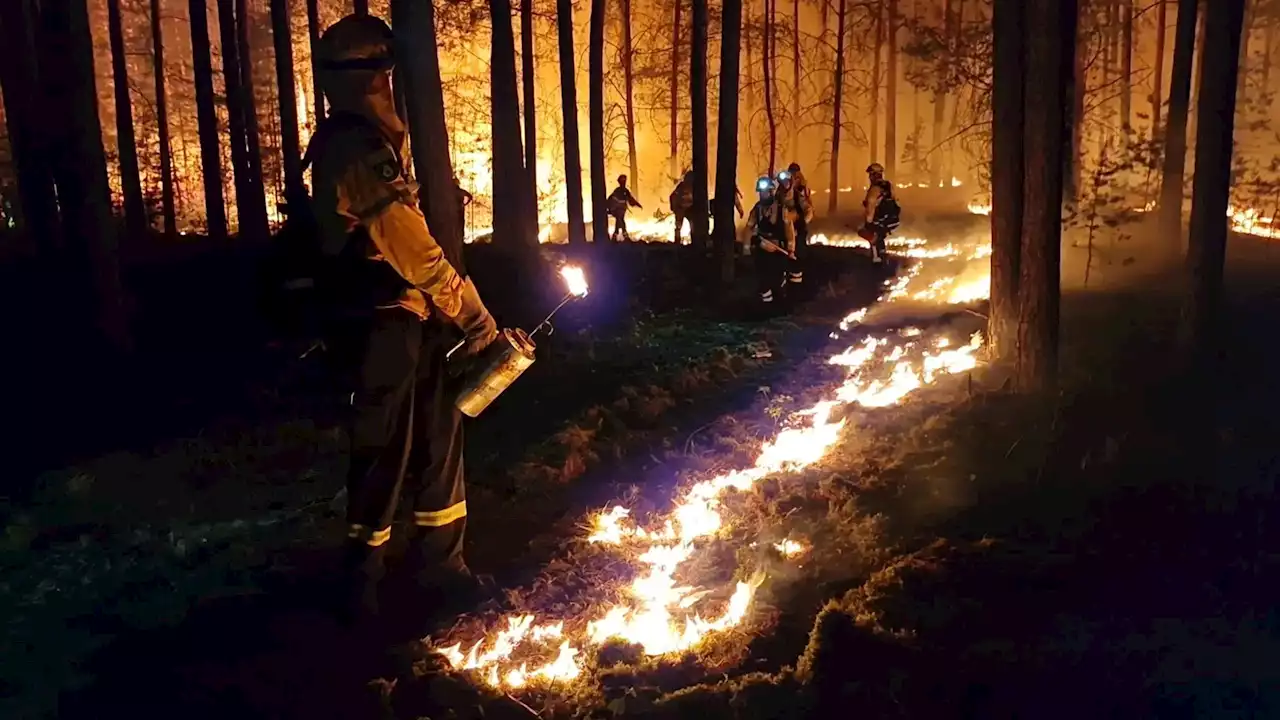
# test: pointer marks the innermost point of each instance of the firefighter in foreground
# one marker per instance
(794, 195)
(681, 200)
(881, 212)
(621, 200)
(404, 299)
(767, 225)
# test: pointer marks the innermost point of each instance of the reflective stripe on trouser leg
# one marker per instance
(369, 536)
(440, 518)
(440, 507)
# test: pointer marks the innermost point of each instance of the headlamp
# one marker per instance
(762, 185)
(784, 176)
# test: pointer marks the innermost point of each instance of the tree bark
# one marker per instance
(878, 28)
(1039, 264)
(727, 136)
(767, 56)
(891, 95)
(207, 123)
(837, 103)
(80, 166)
(569, 108)
(595, 131)
(418, 60)
(1007, 161)
(1196, 72)
(135, 215)
(26, 111)
(360, 7)
(673, 163)
(628, 79)
(1157, 84)
(529, 78)
(940, 105)
(698, 230)
(282, 38)
(1078, 84)
(511, 226)
(795, 78)
(162, 122)
(1175, 148)
(1206, 249)
(1126, 67)
(255, 218)
(313, 32)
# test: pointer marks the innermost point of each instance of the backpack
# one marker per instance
(888, 211)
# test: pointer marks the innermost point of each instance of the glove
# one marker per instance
(475, 321)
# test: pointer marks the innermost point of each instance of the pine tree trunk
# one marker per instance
(1175, 148)
(1157, 83)
(767, 57)
(162, 122)
(1078, 84)
(80, 166)
(254, 219)
(135, 215)
(673, 164)
(595, 131)
(1242, 72)
(360, 7)
(529, 79)
(940, 106)
(873, 148)
(26, 114)
(1206, 249)
(569, 108)
(628, 79)
(313, 33)
(837, 103)
(727, 136)
(1126, 68)
(795, 78)
(417, 57)
(1006, 176)
(1198, 69)
(1040, 261)
(511, 225)
(891, 96)
(698, 230)
(282, 38)
(207, 123)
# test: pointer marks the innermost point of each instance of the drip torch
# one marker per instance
(510, 354)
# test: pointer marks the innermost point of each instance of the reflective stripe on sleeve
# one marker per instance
(369, 536)
(440, 518)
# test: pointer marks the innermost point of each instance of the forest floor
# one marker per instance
(969, 553)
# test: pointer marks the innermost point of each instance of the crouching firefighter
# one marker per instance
(882, 214)
(767, 224)
(402, 301)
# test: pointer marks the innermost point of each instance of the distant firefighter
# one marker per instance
(681, 200)
(882, 215)
(620, 200)
(767, 225)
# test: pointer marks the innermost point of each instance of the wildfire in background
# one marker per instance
(666, 607)
(1243, 220)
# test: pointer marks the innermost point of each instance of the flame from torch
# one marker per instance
(576, 281)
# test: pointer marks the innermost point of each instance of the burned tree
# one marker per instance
(837, 104)
(1126, 67)
(569, 108)
(767, 50)
(282, 39)
(628, 82)
(135, 219)
(256, 215)
(698, 101)
(673, 168)
(1175, 136)
(891, 94)
(1157, 82)
(727, 137)
(162, 123)
(313, 34)
(207, 123)
(1007, 128)
(528, 78)
(510, 187)
(878, 45)
(595, 129)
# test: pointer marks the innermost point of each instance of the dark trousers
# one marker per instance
(795, 268)
(406, 435)
(620, 226)
(770, 273)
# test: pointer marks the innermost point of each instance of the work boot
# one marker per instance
(362, 571)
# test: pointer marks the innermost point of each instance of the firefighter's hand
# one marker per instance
(474, 320)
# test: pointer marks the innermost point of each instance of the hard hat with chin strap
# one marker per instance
(356, 43)
(875, 169)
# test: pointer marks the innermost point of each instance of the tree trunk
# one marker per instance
(80, 166)
(940, 106)
(673, 168)
(698, 230)
(26, 113)
(595, 131)
(313, 31)
(207, 123)
(235, 110)
(135, 215)
(628, 79)
(1206, 249)
(360, 7)
(511, 226)
(418, 60)
(282, 38)
(254, 218)
(1196, 72)
(1175, 147)
(837, 103)
(767, 42)
(1157, 83)
(878, 28)
(1269, 40)
(569, 108)
(1006, 176)
(1126, 68)
(891, 96)
(1242, 71)
(162, 122)
(727, 136)
(795, 79)
(1075, 117)
(1039, 264)
(529, 78)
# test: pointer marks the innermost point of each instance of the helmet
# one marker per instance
(622, 179)
(793, 168)
(875, 169)
(784, 177)
(356, 42)
(764, 184)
